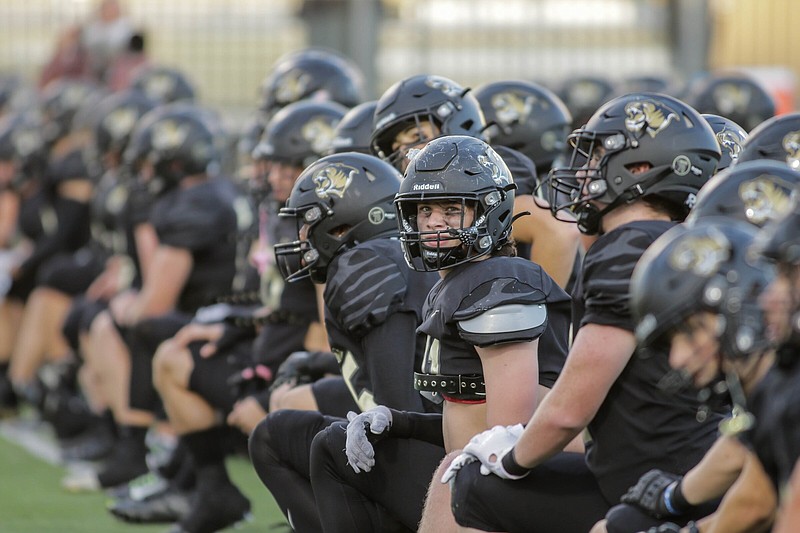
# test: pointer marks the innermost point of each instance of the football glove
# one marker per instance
(359, 450)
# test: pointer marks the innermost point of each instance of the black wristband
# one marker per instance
(511, 465)
(678, 500)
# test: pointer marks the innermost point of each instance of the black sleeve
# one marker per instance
(72, 231)
(363, 290)
(426, 427)
(192, 223)
(391, 364)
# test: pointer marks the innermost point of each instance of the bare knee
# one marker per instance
(599, 527)
(172, 364)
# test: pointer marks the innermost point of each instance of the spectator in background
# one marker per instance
(105, 36)
(123, 67)
(69, 60)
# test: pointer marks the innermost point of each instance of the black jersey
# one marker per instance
(201, 219)
(474, 288)
(638, 426)
(107, 207)
(775, 439)
(373, 305)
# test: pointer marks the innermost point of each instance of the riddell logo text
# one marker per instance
(426, 186)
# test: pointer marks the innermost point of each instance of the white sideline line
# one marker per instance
(34, 438)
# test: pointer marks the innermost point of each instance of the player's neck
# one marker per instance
(631, 213)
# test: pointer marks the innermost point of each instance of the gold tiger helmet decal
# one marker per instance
(333, 179)
(648, 116)
(791, 143)
(159, 85)
(120, 122)
(512, 107)
(763, 199)
(443, 84)
(731, 141)
(292, 86)
(168, 134)
(701, 255)
(319, 133)
(732, 98)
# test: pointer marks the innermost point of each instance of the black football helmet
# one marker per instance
(527, 117)
(300, 133)
(640, 128)
(653, 83)
(730, 137)
(164, 85)
(463, 169)
(737, 96)
(115, 117)
(315, 74)
(583, 95)
(61, 100)
(453, 109)
(755, 192)
(354, 131)
(22, 143)
(345, 199)
(705, 267)
(178, 140)
(776, 138)
(779, 241)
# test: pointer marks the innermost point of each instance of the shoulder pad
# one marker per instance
(505, 323)
(364, 288)
(193, 221)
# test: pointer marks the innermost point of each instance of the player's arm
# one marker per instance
(597, 358)
(554, 243)
(748, 506)
(716, 472)
(789, 513)
(169, 270)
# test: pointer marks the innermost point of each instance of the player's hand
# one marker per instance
(650, 493)
(359, 450)
(209, 333)
(489, 448)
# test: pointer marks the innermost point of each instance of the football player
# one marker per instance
(634, 171)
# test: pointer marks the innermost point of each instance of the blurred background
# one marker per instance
(226, 47)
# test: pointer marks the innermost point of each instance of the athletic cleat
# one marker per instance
(168, 506)
(214, 510)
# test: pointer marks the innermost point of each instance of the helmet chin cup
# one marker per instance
(589, 218)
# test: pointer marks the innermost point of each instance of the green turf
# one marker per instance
(32, 501)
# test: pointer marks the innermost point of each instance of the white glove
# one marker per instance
(489, 448)
(359, 450)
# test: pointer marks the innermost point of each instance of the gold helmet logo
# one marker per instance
(120, 122)
(333, 179)
(292, 86)
(441, 84)
(168, 135)
(319, 133)
(511, 107)
(729, 140)
(731, 98)
(763, 199)
(791, 143)
(701, 255)
(494, 165)
(158, 86)
(648, 116)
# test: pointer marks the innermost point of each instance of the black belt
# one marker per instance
(449, 384)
